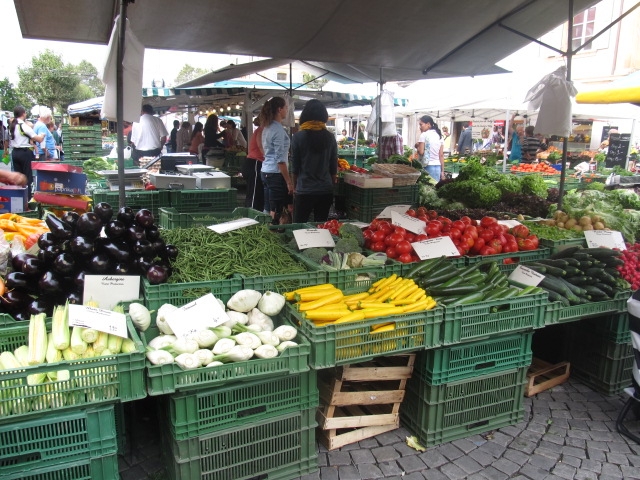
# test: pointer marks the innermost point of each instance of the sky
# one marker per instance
(158, 64)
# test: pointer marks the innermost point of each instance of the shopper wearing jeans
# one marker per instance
(431, 148)
(20, 136)
(275, 168)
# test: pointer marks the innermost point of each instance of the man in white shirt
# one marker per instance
(148, 136)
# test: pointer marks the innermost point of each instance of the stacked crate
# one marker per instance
(81, 143)
(600, 352)
(365, 204)
(465, 389)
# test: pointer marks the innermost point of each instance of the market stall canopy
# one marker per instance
(624, 90)
(362, 40)
(91, 106)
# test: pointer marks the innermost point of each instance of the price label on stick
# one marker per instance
(435, 247)
(509, 223)
(386, 213)
(99, 319)
(409, 223)
(204, 312)
(313, 237)
(233, 225)
(604, 238)
(526, 276)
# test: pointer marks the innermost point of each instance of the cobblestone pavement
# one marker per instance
(568, 432)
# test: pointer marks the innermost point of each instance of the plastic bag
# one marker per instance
(5, 250)
(17, 246)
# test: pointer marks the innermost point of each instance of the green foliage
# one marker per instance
(90, 84)
(471, 170)
(349, 230)
(313, 82)
(188, 72)
(534, 184)
(315, 254)
(347, 245)
(10, 97)
(473, 193)
(508, 184)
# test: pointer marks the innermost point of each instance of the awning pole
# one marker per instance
(120, 100)
(565, 141)
(506, 143)
(355, 149)
(379, 113)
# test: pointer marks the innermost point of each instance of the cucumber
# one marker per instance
(613, 261)
(467, 299)
(582, 256)
(510, 293)
(536, 267)
(575, 289)
(579, 280)
(455, 290)
(441, 278)
(529, 290)
(566, 252)
(612, 271)
(608, 289)
(585, 264)
(464, 272)
(550, 282)
(595, 292)
(558, 263)
(601, 252)
(425, 266)
(572, 262)
(572, 271)
(549, 269)
(606, 278)
(556, 297)
(497, 293)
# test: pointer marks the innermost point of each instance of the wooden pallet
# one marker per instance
(361, 400)
(544, 375)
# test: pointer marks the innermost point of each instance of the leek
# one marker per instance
(21, 354)
(114, 343)
(89, 352)
(128, 346)
(78, 345)
(89, 335)
(69, 354)
(60, 327)
(37, 339)
(101, 343)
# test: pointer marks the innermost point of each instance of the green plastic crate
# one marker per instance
(281, 447)
(101, 468)
(179, 294)
(30, 214)
(613, 327)
(439, 414)
(507, 262)
(381, 197)
(201, 412)
(169, 378)
(353, 342)
(475, 321)
(558, 245)
(136, 199)
(92, 380)
(610, 377)
(284, 282)
(458, 262)
(57, 438)
(459, 362)
(556, 312)
(187, 201)
(121, 432)
(596, 343)
(171, 218)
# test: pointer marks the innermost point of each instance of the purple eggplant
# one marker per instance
(46, 240)
(81, 246)
(144, 218)
(99, 263)
(157, 274)
(126, 215)
(64, 264)
(152, 233)
(104, 211)
(115, 229)
(58, 228)
(89, 225)
(50, 282)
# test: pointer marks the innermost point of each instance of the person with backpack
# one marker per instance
(21, 138)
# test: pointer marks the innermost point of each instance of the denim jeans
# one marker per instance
(434, 171)
(277, 190)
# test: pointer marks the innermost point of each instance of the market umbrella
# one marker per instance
(624, 90)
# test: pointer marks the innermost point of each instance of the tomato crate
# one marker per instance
(613, 327)
(187, 201)
(353, 342)
(171, 218)
(556, 312)
(439, 414)
(57, 438)
(557, 245)
(475, 321)
(169, 378)
(136, 199)
(204, 411)
(507, 262)
(278, 448)
(179, 294)
(460, 362)
(91, 380)
(101, 468)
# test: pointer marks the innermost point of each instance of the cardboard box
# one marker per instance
(161, 180)
(13, 199)
(365, 180)
(73, 201)
(59, 178)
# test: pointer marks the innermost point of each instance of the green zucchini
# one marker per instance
(550, 282)
(497, 293)
(579, 280)
(441, 278)
(572, 271)
(467, 299)
(575, 289)
(529, 290)
(586, 264)
(536, 267)
(595, 292)
(558, 263)
(425, 266)
(556, 297)
(566, 252)
(602, 252)
(550, 269)
(581, 256)
(462, 289)
(572, 262)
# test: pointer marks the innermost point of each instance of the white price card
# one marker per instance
(386, 213)
(99, 319)
(435, 247)
(359, 224)
(313, 237)
(204, 312)
(509, 223)
(109, 290)
(526, 276)
(604, 238)
(233, 225)
(412, 224)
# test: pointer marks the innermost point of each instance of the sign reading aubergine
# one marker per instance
(618, 149)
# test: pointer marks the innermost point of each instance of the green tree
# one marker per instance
(88, 77)
(9, 96)
(189, 73)
(313, 82)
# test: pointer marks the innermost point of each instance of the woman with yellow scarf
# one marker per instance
(314, 164)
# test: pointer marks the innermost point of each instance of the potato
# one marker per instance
(595, 219)
(585, 220)
(558, 214)
(587, 227)
(598, 226)
(577, 228)
(569, 224)
(560, 224)
(550, 223)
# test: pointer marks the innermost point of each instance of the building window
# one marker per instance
(281, 76)
(583, 28)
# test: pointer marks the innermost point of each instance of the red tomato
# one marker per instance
(478, 245)
(385, 226)
(486, 235)
(467, 239)
(400, 231)
(496, 245)
(391, 252)
(432, 214)
(424, 218)
(508, 261)
(509, 238)
(462, 250)
(415, 258)
(378, 236)
(472, 230)
(378, 247)
(487, 251)
(404, 247)
(422, 211)
(496, 228)
(433, 228)
(420, 237)
(367, 233)
(534, 240)
(455, 233)
(393, 239)
(520, 231)
(526, 245)
(334, 231)
(410, 237)
(405, 258)
(445, 220)
(412, 213)
(466, 220)
(459, 225)
(488, 221)
(374, 224)
(509, 247)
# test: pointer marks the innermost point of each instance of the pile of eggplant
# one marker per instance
(98, 242)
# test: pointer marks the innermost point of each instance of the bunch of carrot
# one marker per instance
(327, 305)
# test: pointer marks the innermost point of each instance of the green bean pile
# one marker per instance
(205, 255)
